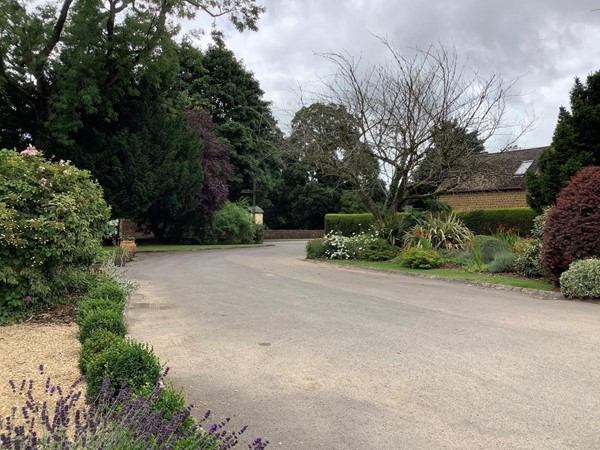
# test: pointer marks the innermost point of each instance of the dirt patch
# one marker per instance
(25, 346)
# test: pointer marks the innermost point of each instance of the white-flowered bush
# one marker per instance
(581, 280)
(338, 246)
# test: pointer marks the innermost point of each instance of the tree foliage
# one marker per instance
(105, 84)
(573, 225)
(575, 144)
(243, 118)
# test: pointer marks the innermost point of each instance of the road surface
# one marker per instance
(316, 356)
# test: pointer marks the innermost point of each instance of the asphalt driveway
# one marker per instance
(314, 356)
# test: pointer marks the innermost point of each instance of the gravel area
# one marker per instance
(23, 347)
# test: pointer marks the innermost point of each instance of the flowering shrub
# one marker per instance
(581, 280)
(52, 216)
(529, 262)
(338, 246)
(507, 235)
(153, 421)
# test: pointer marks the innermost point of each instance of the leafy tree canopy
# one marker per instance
(575, 144)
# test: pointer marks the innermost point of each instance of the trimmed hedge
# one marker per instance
(487, 221)
(483, 221)
(349, 224)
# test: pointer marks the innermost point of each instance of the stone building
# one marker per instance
(499, 181)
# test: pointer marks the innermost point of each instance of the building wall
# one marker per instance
(469, 201)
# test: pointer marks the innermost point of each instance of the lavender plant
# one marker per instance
(123, 421)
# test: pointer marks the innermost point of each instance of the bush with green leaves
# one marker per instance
(441, 231)
(420, 258)
(52, 217)
(503, 262)
(315, 249)
(233, 224)
(102, 320)
(127, 364)
(99, 341)
(529, 262)
(109, 289)
(489, 246)
(581, 280)
(378, 250)
(169, 401)
(90, 305)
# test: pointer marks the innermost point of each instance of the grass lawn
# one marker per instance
(176, 248)
(506, 280)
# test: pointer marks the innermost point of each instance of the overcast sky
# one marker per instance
(545, 42)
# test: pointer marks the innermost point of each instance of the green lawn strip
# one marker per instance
(505, 280)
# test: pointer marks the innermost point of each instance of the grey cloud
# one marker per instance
(546, 43)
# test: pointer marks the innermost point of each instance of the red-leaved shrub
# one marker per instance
(572, 231)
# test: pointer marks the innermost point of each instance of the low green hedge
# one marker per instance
(487, 221)
(484, 221)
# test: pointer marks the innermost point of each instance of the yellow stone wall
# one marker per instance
(469, 201)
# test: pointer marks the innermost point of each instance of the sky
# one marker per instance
(543, 43)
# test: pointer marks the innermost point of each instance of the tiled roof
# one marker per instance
(497, 171)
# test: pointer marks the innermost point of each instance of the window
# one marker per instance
(523, 167)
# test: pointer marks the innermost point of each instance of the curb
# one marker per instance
(538, 293)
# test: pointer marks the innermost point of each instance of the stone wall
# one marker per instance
(470, 201)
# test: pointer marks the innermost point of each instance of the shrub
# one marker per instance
(99, 341)
(260, 232)
(109, 290)
(129, 421)
(378, 250)
(233, 224)
(52, 217)
(581, 279)
(127, 364)
(521, 245)
(503, 262)
(102, 320)
(170, 402)
(441, 231)
(539, 223)
(90, 305)
(315, 249)
(573, 225)
(529, 262)
(419, 258)
(338, 246)
(487, 221)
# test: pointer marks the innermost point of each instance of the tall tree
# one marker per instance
(244, 119)
(31, 39)
(575, 144)
(326, 139)
(399, 105)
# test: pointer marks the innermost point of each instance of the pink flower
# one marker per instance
(30, 151)
(44, 182)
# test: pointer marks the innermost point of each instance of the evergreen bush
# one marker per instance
(127, 364)
(102, 320)
(419, 258)
(315, 249)
(99, 341)
(581, 280)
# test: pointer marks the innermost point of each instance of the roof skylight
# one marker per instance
(523, 167)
